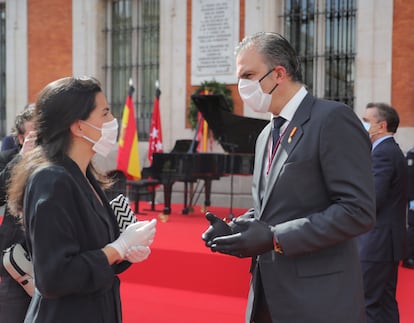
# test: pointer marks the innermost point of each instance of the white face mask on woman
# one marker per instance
(252, 94)
(107, 141)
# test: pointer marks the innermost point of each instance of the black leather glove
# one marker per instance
(255, 239)
(217, 228)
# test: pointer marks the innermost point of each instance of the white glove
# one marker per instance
(141, 224)
(137, 253)
(135, 234)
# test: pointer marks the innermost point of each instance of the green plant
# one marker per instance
(209, 87)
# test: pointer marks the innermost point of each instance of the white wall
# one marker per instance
(16, 59)
(374, 52)
(374, 60)
(88, 50)
(173, 35)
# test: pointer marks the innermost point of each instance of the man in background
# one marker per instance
(10, 141)
(382, 248)
(409, 261)
(14, 300)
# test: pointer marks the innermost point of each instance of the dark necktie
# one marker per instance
(277, 123)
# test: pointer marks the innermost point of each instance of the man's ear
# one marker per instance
(383, 125)
(76, 128)
(20, 138)
(280, 72)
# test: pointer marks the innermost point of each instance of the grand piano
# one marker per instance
(236, 134)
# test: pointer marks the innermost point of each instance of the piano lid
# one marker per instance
(236, 134)
(185, 146)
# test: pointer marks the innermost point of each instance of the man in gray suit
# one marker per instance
(313, 193)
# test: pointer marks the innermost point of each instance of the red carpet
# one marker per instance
(405, 290)
(183, 282)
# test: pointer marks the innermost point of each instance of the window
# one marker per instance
(2, 69)
(323, 34)
(132, 36)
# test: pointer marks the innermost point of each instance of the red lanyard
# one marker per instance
(272, 152)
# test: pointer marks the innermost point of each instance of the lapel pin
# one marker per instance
(292, 133)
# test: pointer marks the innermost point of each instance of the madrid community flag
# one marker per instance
(128, 155)
(155, 139)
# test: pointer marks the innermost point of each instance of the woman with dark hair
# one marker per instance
(72, 234)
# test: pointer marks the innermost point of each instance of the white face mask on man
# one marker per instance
(107, 141)
(371, 131)
(253, 96)
(366, 125)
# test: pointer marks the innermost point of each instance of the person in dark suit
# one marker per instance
(14, 301)
(71, 230)
(8, 142)
(382, 248)
(409, 261)
(312, 190)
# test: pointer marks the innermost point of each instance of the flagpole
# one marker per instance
(131, 87)
(157, 89)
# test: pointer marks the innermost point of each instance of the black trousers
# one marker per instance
(380, 285)
(410, 233)
(14, 301)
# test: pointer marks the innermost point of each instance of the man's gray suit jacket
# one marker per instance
(319, 195)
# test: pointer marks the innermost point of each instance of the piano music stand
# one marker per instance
(188, 147)
(236, 134)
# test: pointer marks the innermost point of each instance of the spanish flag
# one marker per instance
(128, 155)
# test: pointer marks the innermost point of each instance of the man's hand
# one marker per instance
(28, 143)
(255, 239)
(217, 228)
